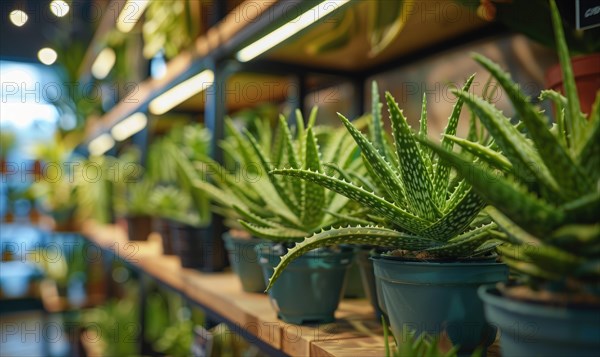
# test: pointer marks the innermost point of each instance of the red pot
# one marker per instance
(586, 70)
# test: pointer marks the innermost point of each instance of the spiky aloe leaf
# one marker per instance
(568, 175)
(491, 157)
(442, 171)
(381, 167)
(344, 219)
(313, 198)
(417, 183)
(371, 235)
(560, 102)
(589, 156)
(292, 157)
(525, 267)
(505, 194)
(464, 244)
(457, 219)
(553, 259)
(255, 219)
(274, 234)
(583, 210)
(576, 121)
(514, 146)
(376, 132)
(281, 191)
(377, 204)
(514, 233)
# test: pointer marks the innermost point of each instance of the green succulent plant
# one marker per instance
(420, 206)
(173, 203)
(271, 207)
(543, 181)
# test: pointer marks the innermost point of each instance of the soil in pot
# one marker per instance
(438, 298)
(244, 261)
(309, 289)
(139, 227)
(542, 328)
(197, 248)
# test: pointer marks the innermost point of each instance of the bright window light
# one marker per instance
(129, 126)
(18, 17)
(130, 14)
(59, 8)
(184, 90)
(289, 29)
(47, 56)
(101, 144)
(104, 63)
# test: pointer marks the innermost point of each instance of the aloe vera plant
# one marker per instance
(268, 206)
(417, 203)
(545, 186)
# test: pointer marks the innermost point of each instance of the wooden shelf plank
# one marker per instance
(222, 294)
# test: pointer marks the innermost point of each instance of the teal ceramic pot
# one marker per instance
(244, 261)
(309, 289)
(438, 297)
(532, 329)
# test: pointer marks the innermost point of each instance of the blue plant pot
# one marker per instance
(531, 329)
(438, 297)
(244, 261)
(310, 288)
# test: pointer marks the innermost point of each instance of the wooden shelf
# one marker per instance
(221, 293)
(432, 24)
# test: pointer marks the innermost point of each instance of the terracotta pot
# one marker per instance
(586, 70)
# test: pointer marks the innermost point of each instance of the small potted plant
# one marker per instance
(431, 218)
(284, 211)
(542, 183)
(228, 189)
(139, 220)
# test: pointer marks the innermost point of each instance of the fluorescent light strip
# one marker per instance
(130, 14)
(288, 30)
(101, 144)
(104, 63)
(129, 126)
(184, 90)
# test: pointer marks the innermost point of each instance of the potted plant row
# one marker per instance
(545, 198)
(282, 211)
(441, 245)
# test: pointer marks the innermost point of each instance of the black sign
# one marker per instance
(587, 13)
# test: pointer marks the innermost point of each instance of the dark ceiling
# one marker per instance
(43, 28)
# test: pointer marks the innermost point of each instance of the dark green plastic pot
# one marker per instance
(367, 275)
(354, 286)
(139, 227)
(438, 297)
(309, 289)
(163, 227)
(197, 248)
(244, 261)
(530, 329)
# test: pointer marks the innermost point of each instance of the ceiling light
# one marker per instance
(59, 8)
(289, 29)
(18, 17)
(176, 95)
(130, 14)
(47, 56)
(129, 126)
(104, 63)
(101, 144)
